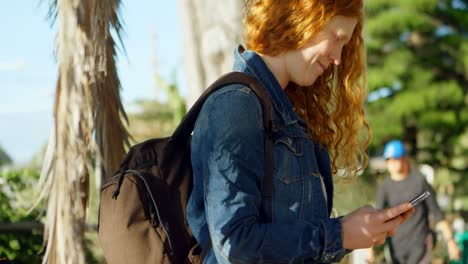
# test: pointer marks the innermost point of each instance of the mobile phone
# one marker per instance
(418, 199)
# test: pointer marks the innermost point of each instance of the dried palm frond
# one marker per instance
(110, 130)
(87, 104)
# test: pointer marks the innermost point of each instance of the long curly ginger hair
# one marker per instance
(333, 106)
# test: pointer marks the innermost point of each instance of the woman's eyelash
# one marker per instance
(337, 38)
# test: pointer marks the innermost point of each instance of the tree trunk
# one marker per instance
(211, 30)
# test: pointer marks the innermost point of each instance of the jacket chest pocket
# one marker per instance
(289, 180)
(288, 159)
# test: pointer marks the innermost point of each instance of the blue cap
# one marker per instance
(394, 150)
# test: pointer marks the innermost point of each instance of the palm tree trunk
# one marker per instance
(88, 122)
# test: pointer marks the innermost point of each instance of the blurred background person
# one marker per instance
(412, 241)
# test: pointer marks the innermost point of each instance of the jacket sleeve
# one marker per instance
(233, 167)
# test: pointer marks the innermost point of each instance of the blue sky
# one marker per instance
(28, 68)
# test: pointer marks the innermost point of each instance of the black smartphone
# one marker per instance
(418, 199)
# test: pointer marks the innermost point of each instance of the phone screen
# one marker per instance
(418, 199)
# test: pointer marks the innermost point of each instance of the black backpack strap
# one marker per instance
(187, 125)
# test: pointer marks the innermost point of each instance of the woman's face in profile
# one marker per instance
(307, 63)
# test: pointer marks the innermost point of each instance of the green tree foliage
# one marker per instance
(4, 157)
(418, 81)
(16, 194)
(156, 118)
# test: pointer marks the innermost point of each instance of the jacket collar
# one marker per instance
(251, 63)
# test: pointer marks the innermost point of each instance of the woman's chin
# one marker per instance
(309, 81)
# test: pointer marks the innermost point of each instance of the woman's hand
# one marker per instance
(367, 226)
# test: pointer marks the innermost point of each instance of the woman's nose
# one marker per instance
(335, 55)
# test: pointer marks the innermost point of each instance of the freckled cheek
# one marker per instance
(333, 51)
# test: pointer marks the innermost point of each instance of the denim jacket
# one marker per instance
(228, 168)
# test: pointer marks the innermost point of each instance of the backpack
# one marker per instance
(142, 211)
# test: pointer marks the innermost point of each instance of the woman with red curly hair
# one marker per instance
(309, 57)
